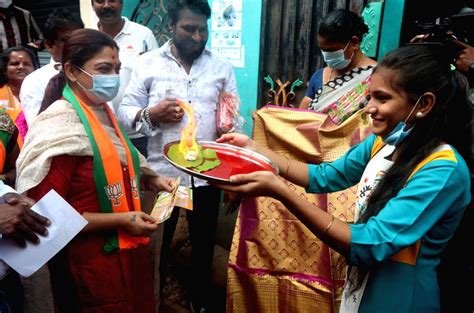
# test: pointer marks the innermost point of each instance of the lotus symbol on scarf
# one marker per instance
(114, 192)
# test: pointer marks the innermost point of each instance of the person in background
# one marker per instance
(77, 148)
(57, 28)
(413, 187)
(16, 64)
(133, 40)
(17, 27)
(455, 262)
(339, 38)
(464, 62)
(183, 69)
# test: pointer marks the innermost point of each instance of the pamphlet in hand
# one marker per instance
(180, 196)
(66, 223)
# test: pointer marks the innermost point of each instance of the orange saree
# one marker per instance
(276, 264)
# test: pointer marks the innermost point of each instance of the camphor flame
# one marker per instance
(188, 145)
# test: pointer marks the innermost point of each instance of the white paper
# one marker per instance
(66, 223)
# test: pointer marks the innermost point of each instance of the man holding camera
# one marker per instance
(465, 63)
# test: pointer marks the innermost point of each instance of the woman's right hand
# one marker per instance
(138, 223)
(236, 139)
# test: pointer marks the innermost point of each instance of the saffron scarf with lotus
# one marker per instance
(108, 175)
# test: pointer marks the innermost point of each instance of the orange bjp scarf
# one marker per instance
(107, 167)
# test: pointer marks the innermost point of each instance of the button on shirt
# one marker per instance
(133, 40)
(158, 71)
(33, 88)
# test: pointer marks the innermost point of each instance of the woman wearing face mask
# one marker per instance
(339, 38)
(77, 149)
(413, 184)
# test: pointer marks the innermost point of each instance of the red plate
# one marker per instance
(234, 160)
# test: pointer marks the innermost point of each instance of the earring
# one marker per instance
(419, 115)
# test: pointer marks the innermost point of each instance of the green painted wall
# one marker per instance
(391, 26)
(128, 7)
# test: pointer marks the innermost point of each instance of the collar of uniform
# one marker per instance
(125, 29)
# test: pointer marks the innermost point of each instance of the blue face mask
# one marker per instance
(398, 134)
(336, 59)
(104, 87)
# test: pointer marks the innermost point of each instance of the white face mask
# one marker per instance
(5, 3)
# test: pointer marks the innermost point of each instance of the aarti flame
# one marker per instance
(188, 145)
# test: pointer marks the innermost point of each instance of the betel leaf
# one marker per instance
(207, 165)
(177, 157)
(209, 153)
(207, 159)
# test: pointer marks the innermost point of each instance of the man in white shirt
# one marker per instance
(133, 40)
(186, 68)
(20, 223)
(57, 28)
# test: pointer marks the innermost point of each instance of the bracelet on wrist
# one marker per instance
(329, 225)
(146, 118)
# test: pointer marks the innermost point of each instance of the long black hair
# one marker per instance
(418, 69)
(82, 45)
(341, 25)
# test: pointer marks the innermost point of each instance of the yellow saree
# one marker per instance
(276, 264)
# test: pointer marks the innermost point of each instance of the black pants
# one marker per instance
(202, 222)
(11, 294)
(141, 143)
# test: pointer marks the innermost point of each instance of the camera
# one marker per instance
(447, 31)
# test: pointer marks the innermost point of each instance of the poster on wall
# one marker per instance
(226, 33)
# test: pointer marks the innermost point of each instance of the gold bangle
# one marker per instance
(287, 166)
(329, 225)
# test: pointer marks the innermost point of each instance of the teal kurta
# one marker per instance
(420, 219)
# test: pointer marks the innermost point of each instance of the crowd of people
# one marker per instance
(96, 118)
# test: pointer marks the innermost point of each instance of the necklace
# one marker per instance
(355, 66)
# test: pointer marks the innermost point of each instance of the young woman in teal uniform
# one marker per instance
(413, 184)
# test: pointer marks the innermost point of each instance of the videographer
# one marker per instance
(465, 62)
